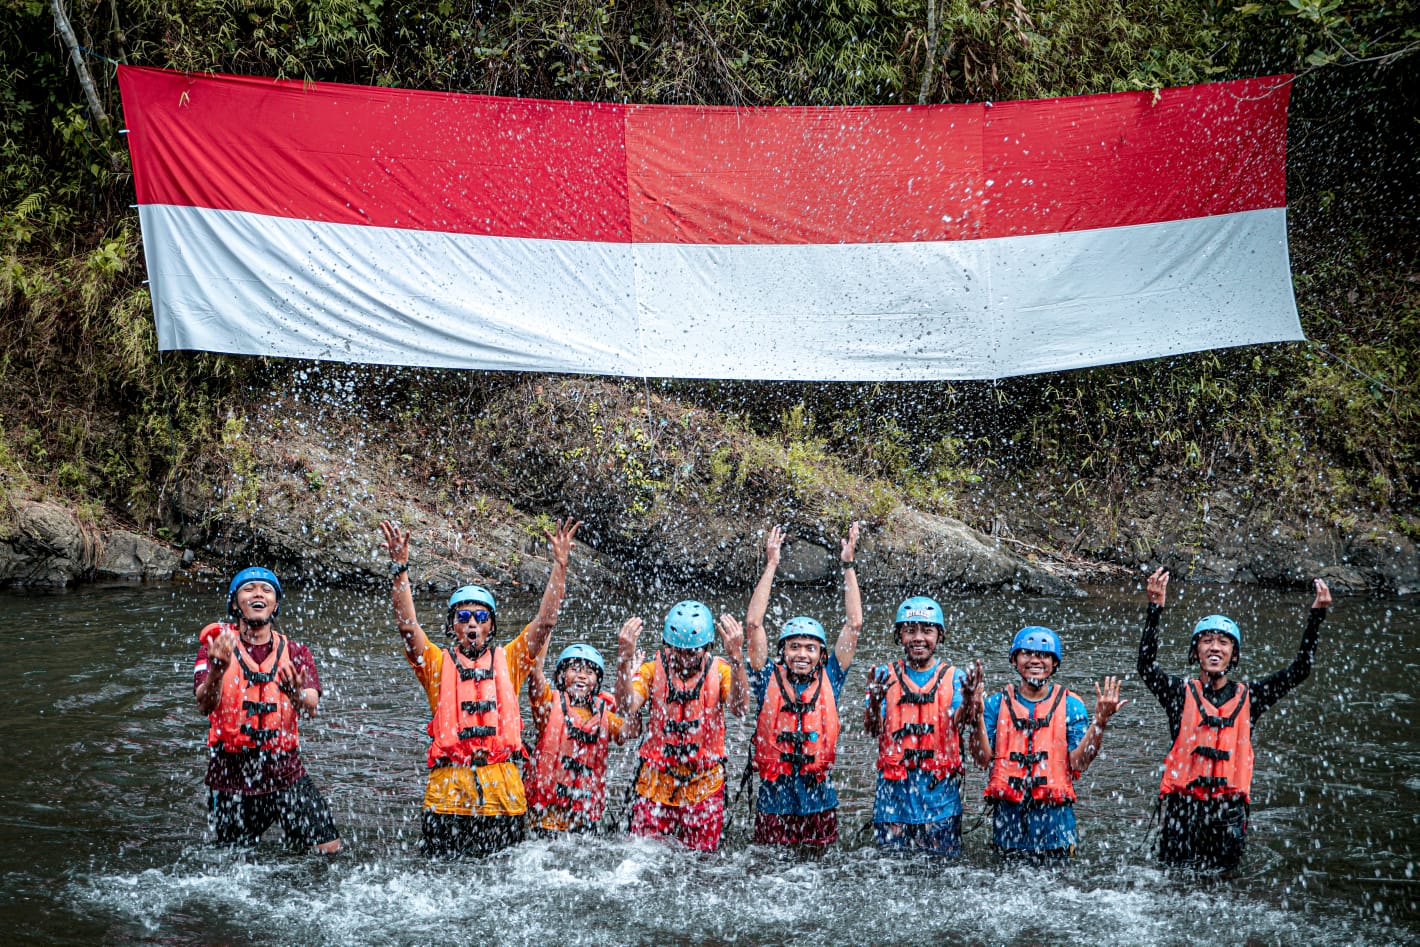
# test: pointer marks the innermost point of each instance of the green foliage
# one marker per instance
(90, 410)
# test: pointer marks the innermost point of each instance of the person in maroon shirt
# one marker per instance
(253, 684)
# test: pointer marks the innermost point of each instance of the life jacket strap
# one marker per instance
(682, 726)
(259, 734)
(478, 706)
(682, 749)
(475, 674)
(908, 696)
(472, 733)
(590, 738)
(914, 730)
(1213, 753)
(1208, 782)
(796, 737)
(1025, 784)
(255, 708)
(1212, 720)
(576, 766)
(1030, 759)
(911, 757)
(797, 760)
(572, 793)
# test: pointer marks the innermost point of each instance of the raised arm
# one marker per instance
(1274, 687)
(733, 635)
(628, 702)
(756, 641)
(1107, 702)
(847, 644)
(1161, 684)
(546, 618)
(397, 543)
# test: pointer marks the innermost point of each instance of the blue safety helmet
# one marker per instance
(253, 574)
(1037, 638)
(803, 627)
(689, 625)
(920, 610)
(1221, 624)
(579, 652)
(473, 593)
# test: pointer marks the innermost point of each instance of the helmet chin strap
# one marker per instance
(474, 651)
(1037, 682)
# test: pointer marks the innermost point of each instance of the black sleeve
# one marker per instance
(1274, 687)
(1168, 689)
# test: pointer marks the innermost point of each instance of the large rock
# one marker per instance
(308, 498)
(46, 545)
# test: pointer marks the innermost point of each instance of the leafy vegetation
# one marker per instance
(92, 413)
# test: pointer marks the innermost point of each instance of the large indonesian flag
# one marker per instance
(360, 224)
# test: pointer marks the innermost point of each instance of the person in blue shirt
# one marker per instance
(917, 708)
(1037, 739)
(796, 700)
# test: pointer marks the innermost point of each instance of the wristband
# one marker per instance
(850, 564)
(398, 568)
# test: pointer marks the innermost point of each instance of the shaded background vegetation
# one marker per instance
(90, 413)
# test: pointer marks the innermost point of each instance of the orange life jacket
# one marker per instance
(796, 734)
(477, 722)
(1032, 754)
(252, 713)
(918, 732)
(1212, 757)
(569, 763)
(687, 723)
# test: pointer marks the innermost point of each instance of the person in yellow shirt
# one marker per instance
(680, 783)
(474, 802)
(576, 725)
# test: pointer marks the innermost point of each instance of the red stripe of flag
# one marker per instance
(699, 175)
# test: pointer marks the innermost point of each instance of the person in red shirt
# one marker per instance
(254, 684)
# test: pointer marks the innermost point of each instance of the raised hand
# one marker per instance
(774, 544)
(561, 541)
(219, 651)
(1158, 586)
(848, 548)
(626, 638)
(1323, 594)
(1107, 701)
(396, 542)
(732, 633)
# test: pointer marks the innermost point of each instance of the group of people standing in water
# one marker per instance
(488, 786)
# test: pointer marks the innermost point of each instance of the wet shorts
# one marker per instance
(457, 836)
(696, 827)
(816, 828)
(239, 819)
(1203, 835)
(936, 838)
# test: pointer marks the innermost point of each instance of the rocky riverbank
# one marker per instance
(671, 496)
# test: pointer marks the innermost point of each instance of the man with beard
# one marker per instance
(917, 707)
(474, 802)
(796, 696)
(1037, 739)
(253, 683)
(680, 782)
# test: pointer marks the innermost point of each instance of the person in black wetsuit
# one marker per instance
(1208, 771)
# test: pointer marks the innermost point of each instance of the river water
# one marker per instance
(102, 830)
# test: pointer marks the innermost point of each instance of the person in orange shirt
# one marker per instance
(680, 783)
(576, 724)
(474, 801)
